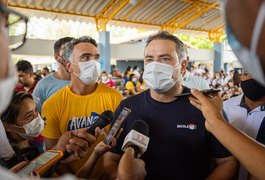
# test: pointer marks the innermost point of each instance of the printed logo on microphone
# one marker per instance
(188, 126)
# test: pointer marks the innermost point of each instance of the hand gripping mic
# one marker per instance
(103, 120)
(137, 138)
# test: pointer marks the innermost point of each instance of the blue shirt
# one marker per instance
(47, 87)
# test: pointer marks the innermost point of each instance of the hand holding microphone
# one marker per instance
(137, 138)
(134, 145)
(75, 143)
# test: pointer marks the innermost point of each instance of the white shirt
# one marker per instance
(6, 150)
(250, 122)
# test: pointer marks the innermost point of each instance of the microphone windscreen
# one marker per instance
(103, 120)
(140, 126)
(108, 116)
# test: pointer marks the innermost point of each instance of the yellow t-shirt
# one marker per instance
(66, 111)
(142, 87)
(129, 85)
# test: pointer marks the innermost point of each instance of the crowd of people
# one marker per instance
(191, 137)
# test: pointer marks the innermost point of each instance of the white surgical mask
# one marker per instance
(33, 128)
(89, 71)
(104, 78)
(249, 57)
(6, 88)
(159, 76)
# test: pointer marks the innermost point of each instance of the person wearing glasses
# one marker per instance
(78, 104)
(245, 28)
(75, 141)
(54, 81)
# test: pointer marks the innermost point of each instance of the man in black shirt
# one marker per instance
(180, 146)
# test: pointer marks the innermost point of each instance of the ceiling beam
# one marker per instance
(90, 16)
(108, 12)
(191, 13)
(217, 6)
(215, 34)
(133, 9)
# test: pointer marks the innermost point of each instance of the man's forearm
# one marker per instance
(249, 152)
(226, 170)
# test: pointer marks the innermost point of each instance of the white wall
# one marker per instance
(44, 48)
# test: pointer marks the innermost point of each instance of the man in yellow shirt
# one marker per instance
(79, 104)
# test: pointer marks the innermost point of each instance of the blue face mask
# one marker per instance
(248, 57)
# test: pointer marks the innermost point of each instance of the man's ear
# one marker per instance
(55, 56)
(183, 66)
(68, 66)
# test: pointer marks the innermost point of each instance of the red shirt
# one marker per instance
(110, 83)
(21, 88)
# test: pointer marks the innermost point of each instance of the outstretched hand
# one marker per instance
(211, 106)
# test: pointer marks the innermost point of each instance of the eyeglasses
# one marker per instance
(16, 25)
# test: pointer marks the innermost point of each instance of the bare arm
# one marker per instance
(110, 165)
(248, 151)
(99, 150)
(226, 168)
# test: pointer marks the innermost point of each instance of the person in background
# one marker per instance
(54, 81)
(141, 85)
(45, 71)
(125, 77)
(131, 84)
(247, 111)
(136, 71)
(217, 80)
(28, 84)
(26, 79)
(104, 78)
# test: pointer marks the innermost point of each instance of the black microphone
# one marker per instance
(103, 120)
(137, 138)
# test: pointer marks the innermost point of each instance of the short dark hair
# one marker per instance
(69, 48)
(57, 45)
(164, 35)
(12, 111)
(24, 66)
(46, 69)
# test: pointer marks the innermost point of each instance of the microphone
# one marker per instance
(137, 138)
(103, 120)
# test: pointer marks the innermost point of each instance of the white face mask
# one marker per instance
(159, 76)
(249, 57)
(89, 71)
(33, 128)
(104, 78)
(6, 88)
